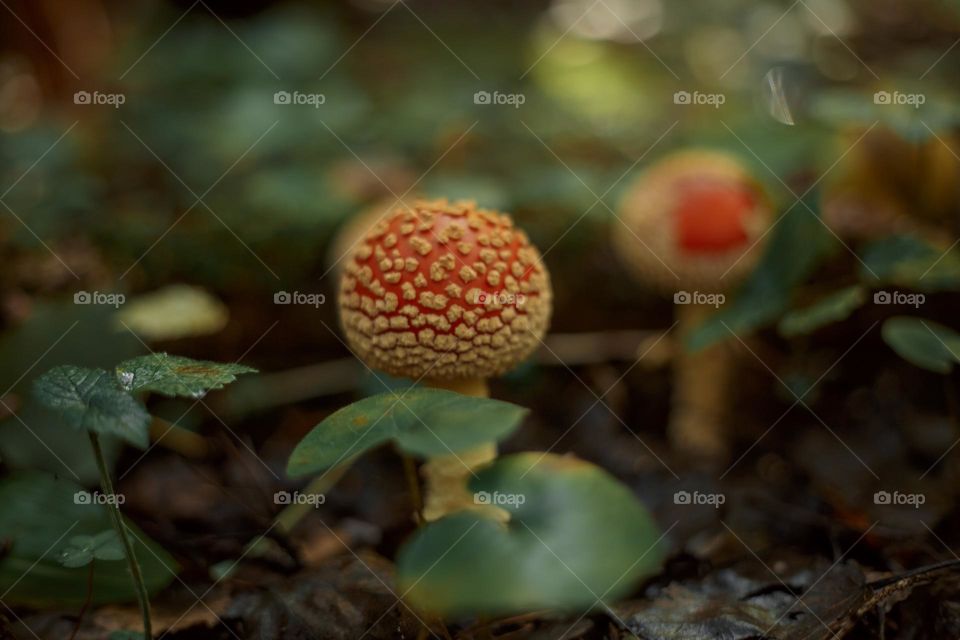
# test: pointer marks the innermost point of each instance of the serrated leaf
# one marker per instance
(39, 517)
(910, 262)
(82, 337)
(575, 535)
(925, 343)
(832, 308)
(92, 400)
(177, 376)
(798, 244)
(422, 422)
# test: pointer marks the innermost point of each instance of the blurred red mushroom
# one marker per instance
(697, 221)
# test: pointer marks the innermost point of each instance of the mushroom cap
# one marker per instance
(446, 291)
(696, 213)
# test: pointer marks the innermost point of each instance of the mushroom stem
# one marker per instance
(476, 387)
(446, 476)
(700, 391)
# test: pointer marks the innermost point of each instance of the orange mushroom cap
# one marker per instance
(698, 214)
(445, 291)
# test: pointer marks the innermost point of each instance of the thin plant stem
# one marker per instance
(290, 516)
(177, 439)
(86, 602)
(114, 508)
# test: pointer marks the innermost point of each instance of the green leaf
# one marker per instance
(910, 262)
(40, 518)
(423, 422)
(92, 400)
(176, 375)
(832, 308)
(925, 343)
(82, 550)
(81, 336)
(798, 244)
(576, 538)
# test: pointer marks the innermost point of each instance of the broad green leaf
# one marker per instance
(423, 422)
(39, 517)
(83, 549)
(832, 308)
(798, 244)
(576, 538)
(92, 400)
(910, 262)
(176, 375)
(925, 343)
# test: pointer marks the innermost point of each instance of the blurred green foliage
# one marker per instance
(41, 516)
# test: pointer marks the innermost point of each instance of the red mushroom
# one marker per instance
(450, 294)
(696, 222)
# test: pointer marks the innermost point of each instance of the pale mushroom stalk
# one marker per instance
(446, 477)
(701, 386)
(697, 224)
(449, 294)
